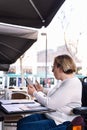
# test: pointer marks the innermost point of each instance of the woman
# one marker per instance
(65, 96)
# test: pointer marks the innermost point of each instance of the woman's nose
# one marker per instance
(52, 68)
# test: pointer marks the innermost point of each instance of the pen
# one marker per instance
(22, 102)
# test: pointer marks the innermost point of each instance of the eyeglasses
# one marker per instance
(53, 68)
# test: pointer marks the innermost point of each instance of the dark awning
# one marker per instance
(4, 67)
(30, 13)
(14, 41)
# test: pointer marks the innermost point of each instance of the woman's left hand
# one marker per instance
(31, 89)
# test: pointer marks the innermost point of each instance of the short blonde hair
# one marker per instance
(66, 63)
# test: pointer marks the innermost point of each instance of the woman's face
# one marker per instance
(57, 72)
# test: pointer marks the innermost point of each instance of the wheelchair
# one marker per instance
(80, 122)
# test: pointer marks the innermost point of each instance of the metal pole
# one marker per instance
(45, 34)
(46, 61)
(21, 71)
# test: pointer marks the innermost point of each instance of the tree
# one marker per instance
(66, 15)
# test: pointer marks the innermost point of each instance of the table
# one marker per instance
(16, 107)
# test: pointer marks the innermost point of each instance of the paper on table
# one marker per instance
(12, 107)
(30, 106)
(23, 107)
(35, 104)
(35, 108)
(21, 101)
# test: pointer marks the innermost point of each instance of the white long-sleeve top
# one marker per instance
(62, 98)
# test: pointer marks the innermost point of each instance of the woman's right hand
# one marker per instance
(38, 86)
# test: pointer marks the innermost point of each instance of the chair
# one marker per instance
(12, 119)
(1, 122)
(82, 110)
(2, 94)
(80, 122)
(84, 92)
(77, 124)
(20, 95)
